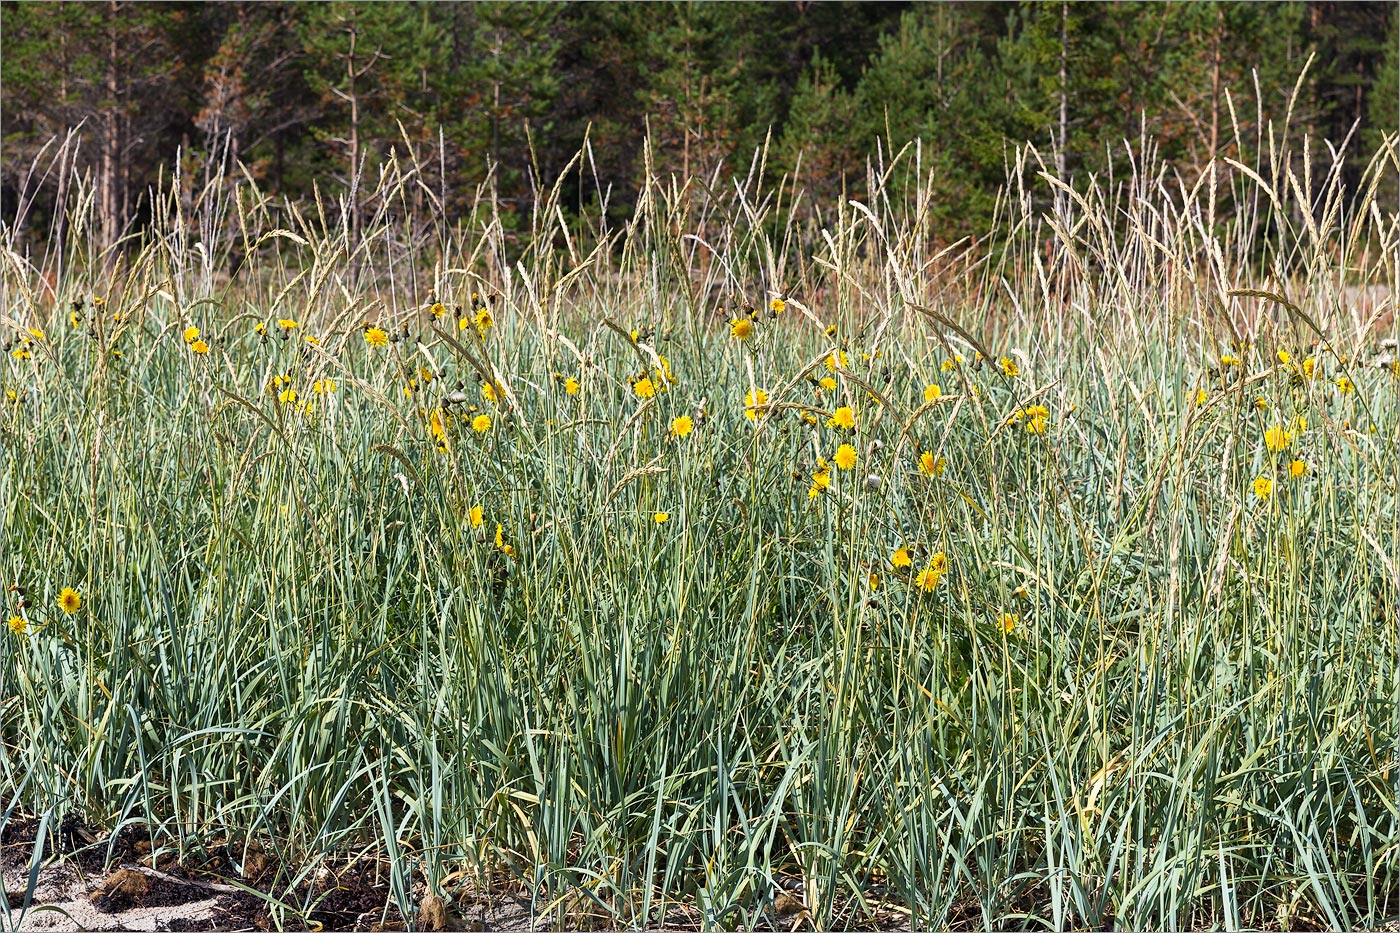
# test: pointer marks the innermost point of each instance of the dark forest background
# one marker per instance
(506, 93)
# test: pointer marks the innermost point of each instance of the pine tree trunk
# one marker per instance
(111, 152)
(1064, 89)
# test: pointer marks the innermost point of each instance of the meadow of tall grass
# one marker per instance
(1043, 582)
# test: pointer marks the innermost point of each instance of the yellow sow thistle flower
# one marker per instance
(644, 387)
(1008, 622)
(827, 383)
(287, 323)
(191, 334)
(681, 426)
(287, 396)
(323, 386)
(842, 418)
(777, 306)
(1261, 404)
(1309, 367)
(837, 359)
(929, 465)
(1228, 360)
(1284, 357)
(488, 392)
(571, 386)
(752, 401)
(438, 309)
(481, 424)
(505, 549)
(200, 347)
(376, 337)
(22, 353)
(741, 328)
(18, 625)
(1201, 396)
(932, 392)
(661, 517)
(1297, 469)
(845, 457)
(1263, 487)
(69, 600)
(1345, 385)
(1277, 438)
(1009, 367)
(928, 579)
(476, 516)
(900, 559)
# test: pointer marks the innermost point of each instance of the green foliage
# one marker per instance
(1140, 693)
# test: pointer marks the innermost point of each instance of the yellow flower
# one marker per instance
(323, 386)
(681, 426)
(484, 321)
(21, 353)
(752, 401)
(481, 424)
(488, 392)
(1228, 360)
(777, 305)
(843, 418)
(571, 386)
(287, 323)
(1309, 367)
(1284, 358)
(933, 392)
(1201, 396)
(261, 329)
(928, 579)
(900, 559)
(952, 364)
(1009, 367)
(929, 465)
(314, 341)
(644, 387)
(438, 309)
(75, 319)
(200, 347)
(660, 517)
(741, 328)
(1345, 385)
(1276, 438)
(476, 516)
(287, 396)
(1261, 404)
(505, 549)
(376, 337)
(827, 383)
(18, 625)
(836, 360)
(845, 457)
(874, 581)
(1037, 424)
(191, 334)
(69, 600)
(1298, 469)
(1008, 622)
(1263, 486)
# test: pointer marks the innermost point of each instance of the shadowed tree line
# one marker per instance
(491, 96)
